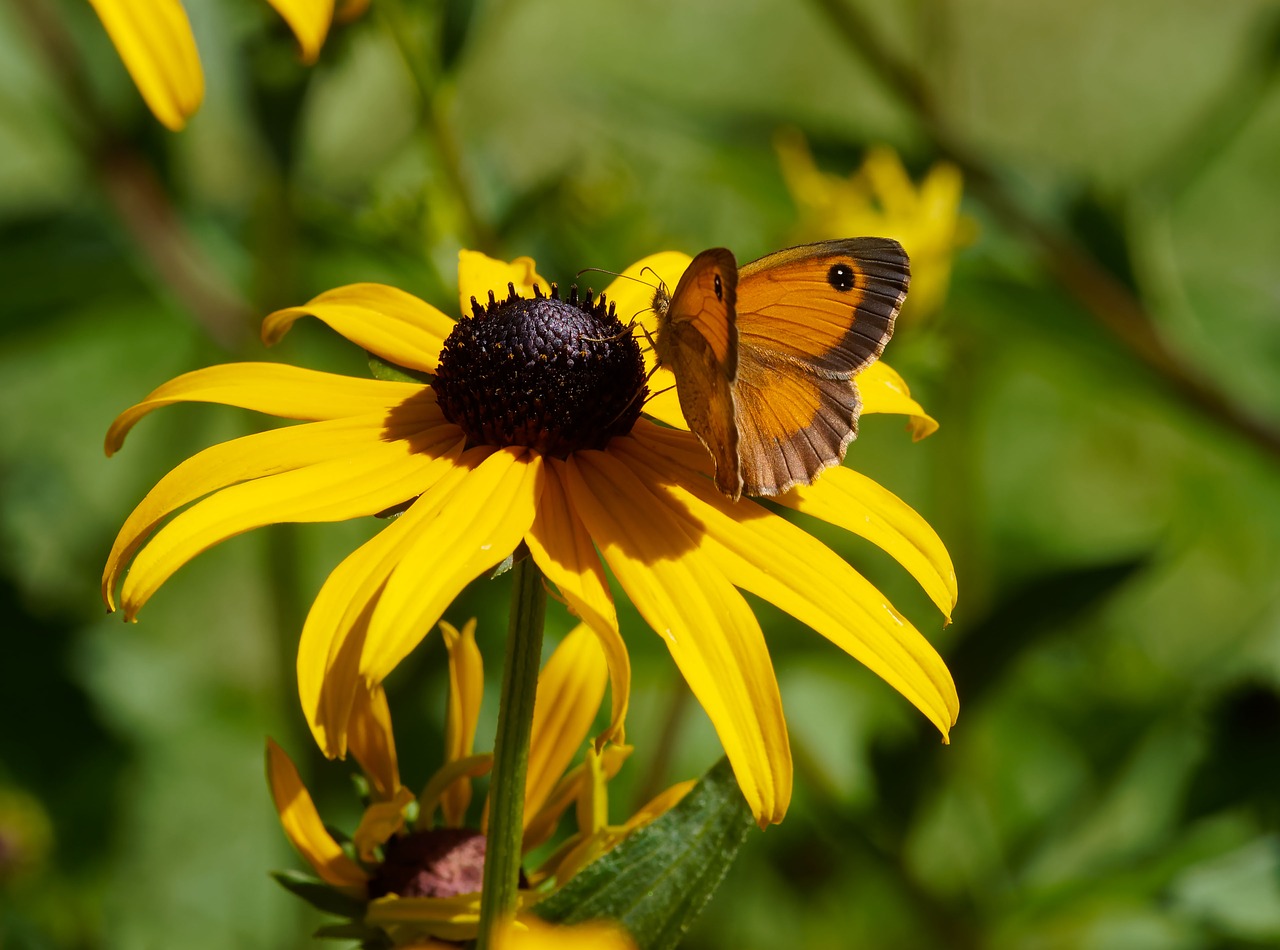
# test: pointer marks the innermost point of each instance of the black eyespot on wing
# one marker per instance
(719, 288)
(841, 277)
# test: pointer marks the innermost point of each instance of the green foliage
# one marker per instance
(659, 879)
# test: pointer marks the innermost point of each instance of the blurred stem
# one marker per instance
(132, 186)
(1107, 299)
(435, 93)
(660, 763)
(511, 750)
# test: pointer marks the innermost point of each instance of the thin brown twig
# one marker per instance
(1106, 298)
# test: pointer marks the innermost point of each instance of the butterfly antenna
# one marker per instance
(614, 273)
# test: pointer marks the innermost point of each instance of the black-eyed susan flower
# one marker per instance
(413, 868)
(530, 432)
(879, 197)
(153, 38)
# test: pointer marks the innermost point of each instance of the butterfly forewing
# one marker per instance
(830, 306)
(698, 341)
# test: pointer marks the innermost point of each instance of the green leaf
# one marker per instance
(392, 373)
(319, 894)
(658, 880)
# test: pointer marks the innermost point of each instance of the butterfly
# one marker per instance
(765, 355)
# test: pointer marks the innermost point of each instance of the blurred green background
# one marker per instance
(1106, 371)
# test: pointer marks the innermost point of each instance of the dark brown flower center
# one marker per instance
(443, 862)
(555, 375)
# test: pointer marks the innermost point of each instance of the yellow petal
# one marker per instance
(659, 805)
(480, 275)
(663, 403)
(382, 475)
(466, 690)
(337, 624)
(277, 389)
(309, 20)
(570, 688)
(380, 821)
(253, 456)
(883, 390)
(539, 828)
(633, 292)
(658, 557)
(154, 39)
(304, 828)
(854, 502)
(532, 934)
(475, 525)
(563, 550)
(593, 799)
(391, 324)
(373, 744)
(453, 773)
(410, 919)
(774, 559)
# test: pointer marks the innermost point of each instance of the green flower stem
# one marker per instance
(511, 749)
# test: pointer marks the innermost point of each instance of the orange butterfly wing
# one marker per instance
(698, 341)
(809, 319)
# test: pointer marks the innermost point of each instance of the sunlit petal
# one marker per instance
(466, 690)
(562, 548)
(409, 919)
(154, 39)
(382, 475)
(475, 525)
(533, 934)
(883, 390)
(273, 388)
(304, 828)
(389, 323)
(779, 562)
(570, 688)
(335, 629)
(854, 502)
(715, 639)
(309, 20)
(480, 275)
(258, 455)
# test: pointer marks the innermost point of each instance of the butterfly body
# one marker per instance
(800, 324)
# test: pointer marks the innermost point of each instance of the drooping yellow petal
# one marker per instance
(466, 690)
(659, 805)
(779, 562)
(854, 502)
(480, 275)
(373, 744)
(660, 558)
(410, 919)
(539, 827)
(276, 389)
(883, 390)
(380, 821)
(255, 456)
(309, 20)
(570, 688)
(336, 626)
(391, 324)
(382, 475)
(475, 525)
(304, 828)
(154, 39)
(593, 798)
(445, 777)
(563, 550)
